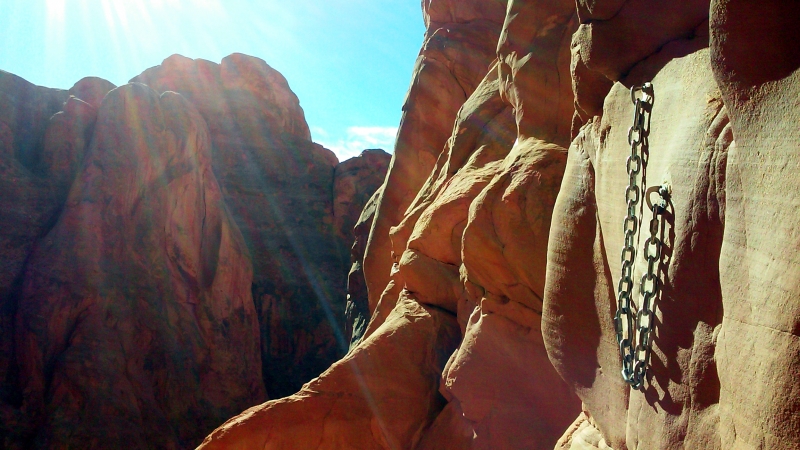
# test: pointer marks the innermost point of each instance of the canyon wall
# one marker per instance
(724, 315)
(452, 356)
(174, 251)
(492, 264)
(176, 254)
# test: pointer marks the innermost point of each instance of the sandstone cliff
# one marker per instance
(486, 267)
(459, 232)
(278, 186)
(714, 380)
(494, 240)
(173, 253)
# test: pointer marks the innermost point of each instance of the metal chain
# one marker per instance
(635, 350)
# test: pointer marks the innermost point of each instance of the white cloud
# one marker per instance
(319, 132)
(356, 140)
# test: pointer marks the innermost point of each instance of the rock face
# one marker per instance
(485, 275)
(724, 317)
(28, 206)
(355, 180)
(456, 250)
(128, 314)
(502, 211)
(295, 212)
(136, 310)
(358, 403)
(356, 190)
(459, 48)
(357, 313)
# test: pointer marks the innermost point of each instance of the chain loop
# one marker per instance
(635, 346)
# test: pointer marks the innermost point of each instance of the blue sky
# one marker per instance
(349, 61)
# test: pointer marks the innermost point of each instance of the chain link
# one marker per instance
(634, 350)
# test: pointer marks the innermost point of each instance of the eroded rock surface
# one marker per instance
(723, 300)
(457, 250)
(379, 396)
(136, 310)
(355, 181)
(281, 190)
(128, 317)
(484, 284)
(355, 200)
(460, 44)
(29, 205)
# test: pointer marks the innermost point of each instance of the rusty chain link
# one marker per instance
(635, 350)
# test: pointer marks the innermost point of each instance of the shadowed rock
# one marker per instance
(281, 190)
(136, 312)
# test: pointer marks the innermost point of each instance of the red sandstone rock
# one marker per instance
(155, 161)
(216, 89)
(379, 357)
(493, 197)
(381, 395)
(29, 204)
(278, 186)
(242, 72)
(357, 313)
(472, 243)
(136, 311)
(65, 141)
(459, 247)
(437, 13)
(493, 181)
(91, 90)
(689, 142)
(616, 34)
(453, 61)
(355, 180)
(755, 62)
(711, 382)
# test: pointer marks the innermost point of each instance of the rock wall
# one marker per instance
(501, 216)
(459, 47)
(353, 201)
(279, 187)
(707, 386)
(455, 252)
(485, 275)
(172, 253)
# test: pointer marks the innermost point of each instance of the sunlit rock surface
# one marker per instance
(128, 313)
(283, 192)
(379, 396)
(460, 44)
(485, 266)
(503, 210)
(466, 236)
(724, 124)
